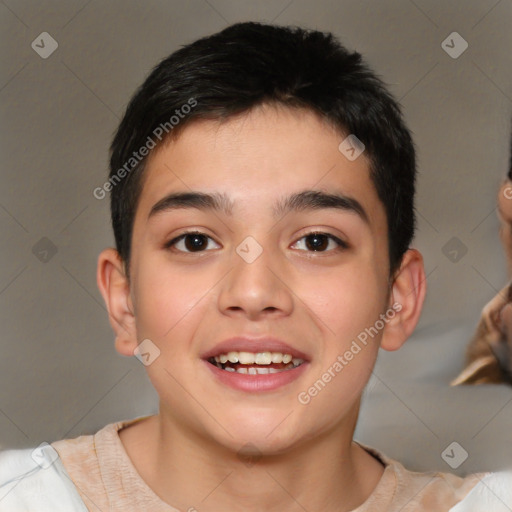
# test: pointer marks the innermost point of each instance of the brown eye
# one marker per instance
(195, 242)
(317, 242)
(190, 242)
(322, 242)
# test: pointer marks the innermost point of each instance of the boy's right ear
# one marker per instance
(115, 289)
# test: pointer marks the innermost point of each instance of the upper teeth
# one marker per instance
(257, 358)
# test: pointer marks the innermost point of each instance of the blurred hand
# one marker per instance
(489, 354)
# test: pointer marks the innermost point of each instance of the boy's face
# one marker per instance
(187, 302)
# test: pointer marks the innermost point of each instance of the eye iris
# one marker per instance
(319, 242)
(195, 242)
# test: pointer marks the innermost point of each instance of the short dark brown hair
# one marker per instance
(248, 64)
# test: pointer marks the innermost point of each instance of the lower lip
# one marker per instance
(255, 383)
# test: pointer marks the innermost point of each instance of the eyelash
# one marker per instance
(341, 244)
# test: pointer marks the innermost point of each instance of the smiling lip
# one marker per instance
(246, 344)
(265, 382)
(260, 382)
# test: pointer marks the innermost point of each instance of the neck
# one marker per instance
(328, 472)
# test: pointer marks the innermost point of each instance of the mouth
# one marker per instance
(252, 364)
(255, 363)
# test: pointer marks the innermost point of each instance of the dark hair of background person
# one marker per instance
(249, 64)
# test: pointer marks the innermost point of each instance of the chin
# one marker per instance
(265, 435)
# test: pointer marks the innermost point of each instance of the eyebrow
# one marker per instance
(299, 201)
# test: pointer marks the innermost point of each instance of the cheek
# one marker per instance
(167, 299)
(347, 305)
(346, 300)
(346, 315)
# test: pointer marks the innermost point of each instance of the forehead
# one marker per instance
(256, 159)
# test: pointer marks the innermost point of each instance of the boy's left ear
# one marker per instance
(406, 299)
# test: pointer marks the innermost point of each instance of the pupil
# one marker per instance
(319, 242)
(198, 241)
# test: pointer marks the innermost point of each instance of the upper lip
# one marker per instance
(251, 344)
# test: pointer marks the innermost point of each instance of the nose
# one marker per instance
(256, 289)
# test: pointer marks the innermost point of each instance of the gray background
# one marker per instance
(59, 373)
